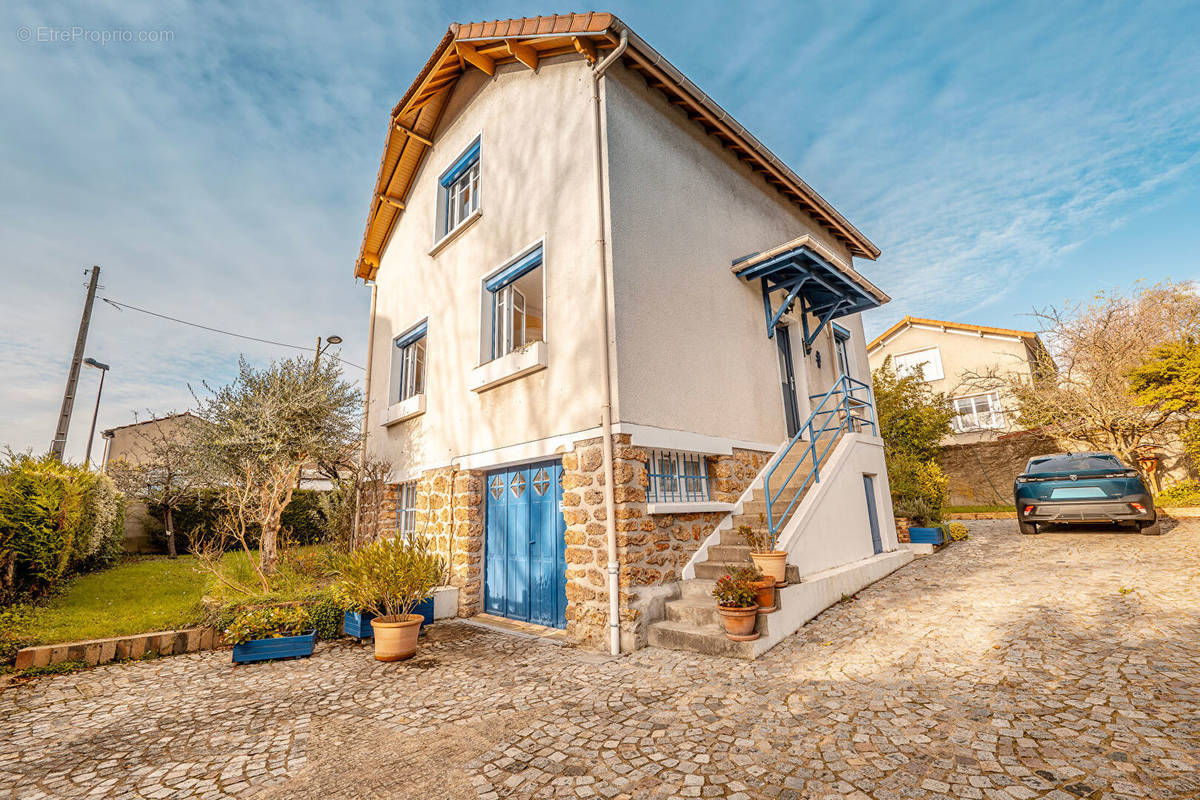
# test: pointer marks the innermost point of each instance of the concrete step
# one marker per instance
(709, 640)
(697, 588)
(730, 553)
(717, 569)
(695, 611)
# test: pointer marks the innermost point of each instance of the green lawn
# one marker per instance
(155, 594)
(977, 509)
(149, 594)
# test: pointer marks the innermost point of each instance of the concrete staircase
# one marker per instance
(691, 621)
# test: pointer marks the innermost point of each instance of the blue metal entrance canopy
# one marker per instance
(800, 273)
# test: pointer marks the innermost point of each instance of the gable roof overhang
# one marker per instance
(1029, 337)
(485, 45)
(806, 272)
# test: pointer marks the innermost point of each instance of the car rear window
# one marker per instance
(1073, 463)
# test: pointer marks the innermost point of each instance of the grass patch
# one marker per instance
(977, 509)
(141, 595)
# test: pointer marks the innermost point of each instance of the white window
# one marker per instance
(841, 349)
(406, 507)
(458, 195)
(515, 305)
(978, 413)
(408, 362)
(928, 360)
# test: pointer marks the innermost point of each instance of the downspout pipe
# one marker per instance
(362, 455)
(606, 440)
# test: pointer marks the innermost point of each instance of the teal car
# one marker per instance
(1082, 487)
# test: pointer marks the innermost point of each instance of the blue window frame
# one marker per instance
(459, 190)
(409, 358)
(515, 300)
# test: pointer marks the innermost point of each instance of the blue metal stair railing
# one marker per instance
(847, 406)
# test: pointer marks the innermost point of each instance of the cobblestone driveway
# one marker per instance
(1063, 665)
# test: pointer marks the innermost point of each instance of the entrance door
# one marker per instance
(791, 409)
(873, 514)
(525, 572)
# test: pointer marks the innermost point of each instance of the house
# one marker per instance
(607, 323)
(954, 357)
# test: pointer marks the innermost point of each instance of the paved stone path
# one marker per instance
(1060, 666)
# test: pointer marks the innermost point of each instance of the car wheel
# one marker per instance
(1151, 528)
(1027, 528)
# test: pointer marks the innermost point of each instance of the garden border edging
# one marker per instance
(121, 648)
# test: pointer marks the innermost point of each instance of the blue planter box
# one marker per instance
(358, 623)
(927, 535)
(283, 647)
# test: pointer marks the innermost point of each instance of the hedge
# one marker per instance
(56, 519)
(200, 511)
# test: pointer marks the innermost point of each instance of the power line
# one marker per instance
(119, 306)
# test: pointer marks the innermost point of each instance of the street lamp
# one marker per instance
(329, 340)
(91, 362)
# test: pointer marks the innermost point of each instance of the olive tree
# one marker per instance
(262, 430)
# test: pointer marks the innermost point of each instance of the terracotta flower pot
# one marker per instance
(396, 637)
(772, 565)
(766, 595)
(739, 622)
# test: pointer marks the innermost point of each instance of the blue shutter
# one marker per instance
(412, 335)
(464, 163)
(516, 270)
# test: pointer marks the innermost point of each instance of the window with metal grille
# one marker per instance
(677, 477)
(977, 413)
(406, 507)
(459, 190)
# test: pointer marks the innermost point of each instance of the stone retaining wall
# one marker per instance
(101, 651)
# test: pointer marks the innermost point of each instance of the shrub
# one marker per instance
(919, 488)
(55, 519)
(326, 615)
(390, 576)
(958, 532)
(200, 509)
(1184, 493)
(735, 591)
(268, 623)
(13, 635)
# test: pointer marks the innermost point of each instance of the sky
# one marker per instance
(217, 159)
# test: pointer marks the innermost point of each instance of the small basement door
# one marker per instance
(525, 573)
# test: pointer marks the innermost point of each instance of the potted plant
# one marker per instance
(923, 517)
(736, 603)
(261, 634)
(389, 578)
(764, 587)
(772, 562)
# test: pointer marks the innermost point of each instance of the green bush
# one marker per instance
(268, 623)
(55, 520)
(390, 576)
(1184, 493)
(326, 615)
(201, 509)
(919, 488)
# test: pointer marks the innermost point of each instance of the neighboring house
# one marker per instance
(952, 356)
(579, 375)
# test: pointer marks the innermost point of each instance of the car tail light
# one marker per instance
(1028, 509)
(1138, 507)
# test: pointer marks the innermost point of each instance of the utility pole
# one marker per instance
(59, 444)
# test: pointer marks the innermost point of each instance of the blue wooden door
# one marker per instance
(873, 513)
(525, 574)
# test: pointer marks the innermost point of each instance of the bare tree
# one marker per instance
(163, 472)
(264, 428)
(1082, 391)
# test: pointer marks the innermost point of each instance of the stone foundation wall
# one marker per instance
(651, 549)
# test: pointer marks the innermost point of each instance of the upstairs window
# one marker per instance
(458, 194)
(928, 360)
(408, 363)
(515, 299)
(841, 349)
(979, 413)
